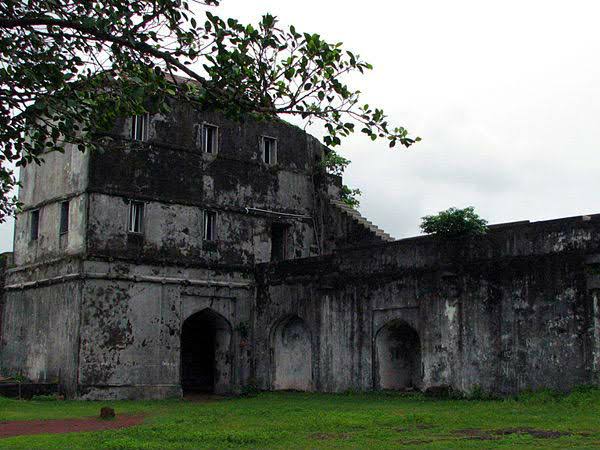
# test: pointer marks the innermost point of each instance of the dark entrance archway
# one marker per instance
(205, 360)
(398, 357)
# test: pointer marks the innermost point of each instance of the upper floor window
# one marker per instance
(268, 149)
(139, 127)
(136, 217)
(210, 138)
(64, 217)
(34, 224)
(210, 225)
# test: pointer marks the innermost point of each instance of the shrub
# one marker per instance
(350, 197)
(454, 222)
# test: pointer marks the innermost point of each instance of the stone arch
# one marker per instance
(291, 355)
(398, 357)
(206, 353)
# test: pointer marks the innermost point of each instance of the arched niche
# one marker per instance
(291, 352)
(398, 357)
(205, 353)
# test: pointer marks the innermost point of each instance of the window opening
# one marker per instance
(136, 216)
(139, 127)
(210, 138)
(210, 229)
(64, 217)
(279, 239)
(269, 150)
(34, 224)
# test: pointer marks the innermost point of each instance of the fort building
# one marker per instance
(193, 252)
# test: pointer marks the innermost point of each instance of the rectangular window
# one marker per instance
(64, 217)
(268, 149)
(210, 138)
(210, 225)
(34, 224)
(136, 216)
(139, 127)
(279, 233)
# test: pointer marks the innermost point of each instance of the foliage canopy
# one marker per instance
(68, 68)
(454, 222)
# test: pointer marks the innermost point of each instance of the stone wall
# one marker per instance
(106, 312)
(132, 321)
(114, 330)
(40, 334)
(173, 234)
(62, 177)
(516, 309)
(178, 182)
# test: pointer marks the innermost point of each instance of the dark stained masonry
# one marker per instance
(194, 253)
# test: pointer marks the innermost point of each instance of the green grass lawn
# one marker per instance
(297, 420)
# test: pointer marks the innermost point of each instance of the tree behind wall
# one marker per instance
(454, 222)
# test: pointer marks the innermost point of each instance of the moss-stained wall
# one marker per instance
(102, 309)
(509, 311)
(40, 334)
(178, 181)
(131, 323)
(61, 177)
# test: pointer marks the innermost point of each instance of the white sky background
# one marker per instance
(506, 96)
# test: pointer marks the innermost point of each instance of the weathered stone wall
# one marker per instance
(171, 165)
(62, 176)
(40, 330)
(113, 330)
(516, 309)
(178, 182)
(40, 323)
(5, 260)
(509, 311)
(103, 310)
(131, 323)
(173, 233)
(125, 296)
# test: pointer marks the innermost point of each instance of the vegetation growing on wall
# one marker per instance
(335, 164)
(69, 68)
(454, 222)
(350, 196)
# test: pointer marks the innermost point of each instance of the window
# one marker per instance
(210, 138)
(64, 217)
(136, 216)
(139, 127)
(268, 149)
(34, 224)
(279, 232)
(210, 225)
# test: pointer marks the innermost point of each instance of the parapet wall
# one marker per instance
(512, 310)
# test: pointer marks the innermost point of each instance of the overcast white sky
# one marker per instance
(505, 94)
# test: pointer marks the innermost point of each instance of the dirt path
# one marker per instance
(58, 426)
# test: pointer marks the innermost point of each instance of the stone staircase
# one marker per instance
(360, 220)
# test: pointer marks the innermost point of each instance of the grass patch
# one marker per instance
(354, 420)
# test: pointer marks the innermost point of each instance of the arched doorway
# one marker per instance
(398, 357)
(205, 353)
(291, 355)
